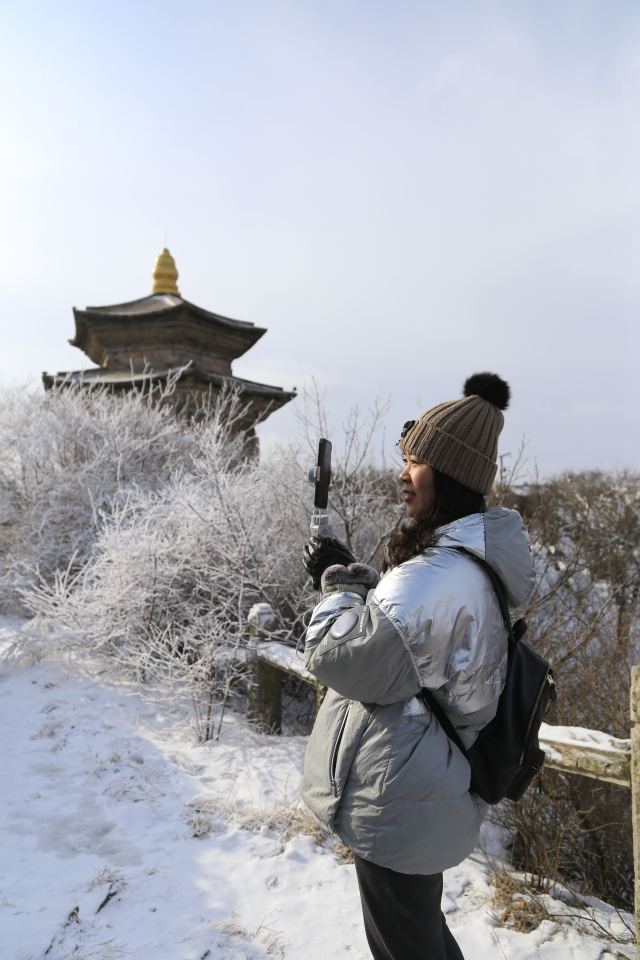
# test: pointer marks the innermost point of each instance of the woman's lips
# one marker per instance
(407, 495)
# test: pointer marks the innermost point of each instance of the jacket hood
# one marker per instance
(499, 537)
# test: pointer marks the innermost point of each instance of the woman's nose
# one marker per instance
(403, 475)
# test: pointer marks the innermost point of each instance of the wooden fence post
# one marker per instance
(635, 787)
(264, 687)
(269, 698)
(252, 675)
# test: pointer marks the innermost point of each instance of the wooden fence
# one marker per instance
(586, 753)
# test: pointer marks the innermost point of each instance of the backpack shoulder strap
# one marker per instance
(430, 700)
(498, 586)
(427, 696)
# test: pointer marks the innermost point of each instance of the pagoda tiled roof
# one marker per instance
(159, 303)
(158, 321)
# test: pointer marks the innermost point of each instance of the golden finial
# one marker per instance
(165, 275)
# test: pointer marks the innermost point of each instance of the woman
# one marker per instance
(379, 770)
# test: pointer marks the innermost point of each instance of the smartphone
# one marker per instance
(320, 477)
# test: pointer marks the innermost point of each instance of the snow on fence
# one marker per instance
(576, 750)
(588, 753)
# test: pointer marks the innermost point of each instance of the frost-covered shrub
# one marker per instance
(174, 566)
(584, 616)
(67, 459)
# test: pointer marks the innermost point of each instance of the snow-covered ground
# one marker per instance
(124, 838)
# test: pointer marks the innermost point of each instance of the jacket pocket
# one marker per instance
(333, 756)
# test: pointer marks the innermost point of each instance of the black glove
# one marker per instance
(320, 553)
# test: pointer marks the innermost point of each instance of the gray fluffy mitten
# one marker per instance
(356, 578)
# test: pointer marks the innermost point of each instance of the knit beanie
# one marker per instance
(460, 437)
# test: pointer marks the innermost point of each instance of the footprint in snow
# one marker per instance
(53, 705)
(49, 729)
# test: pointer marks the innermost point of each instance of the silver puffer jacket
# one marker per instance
(379, 770)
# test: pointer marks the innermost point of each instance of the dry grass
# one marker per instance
(521, 906)
(208, 815)
(268, 939)
(513, 906)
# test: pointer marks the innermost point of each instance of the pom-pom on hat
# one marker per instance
(460, 437)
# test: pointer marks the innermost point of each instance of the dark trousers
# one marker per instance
(402, 915)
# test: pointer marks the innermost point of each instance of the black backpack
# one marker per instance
(506, 755)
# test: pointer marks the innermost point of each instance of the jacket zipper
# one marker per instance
(547, 686)
(334, 755)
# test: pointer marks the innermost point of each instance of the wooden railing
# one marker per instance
(269, 662)
(575, 750)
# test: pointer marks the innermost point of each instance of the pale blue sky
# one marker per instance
(402, 192)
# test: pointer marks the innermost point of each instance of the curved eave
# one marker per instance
(265, 394)
(248, 388)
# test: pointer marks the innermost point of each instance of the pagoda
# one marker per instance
(162, 337)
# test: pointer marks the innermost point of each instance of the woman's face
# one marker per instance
(418, 486)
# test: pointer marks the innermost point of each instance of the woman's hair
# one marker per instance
(413, 534)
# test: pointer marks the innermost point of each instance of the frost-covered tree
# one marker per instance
(173, 567)
(67, 459)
